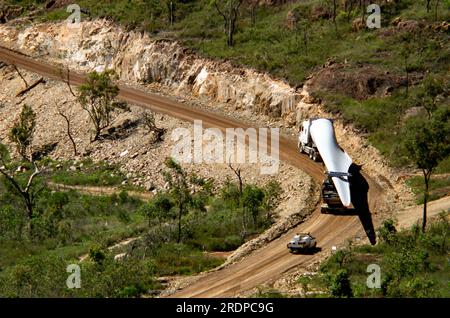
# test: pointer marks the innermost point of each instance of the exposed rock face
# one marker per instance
(358, 24)
(320, 12)
(138, 59)
(8, 13)
(359, 84)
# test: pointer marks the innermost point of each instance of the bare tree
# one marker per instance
(171, 8)
(20, 74)
(229, 11)
(67, 119)
(150, 124)
(27, 192)
(428, 5)
(407, 49)
(237, 172)
(66, 79)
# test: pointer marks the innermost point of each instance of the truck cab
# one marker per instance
(305, 142)
(304, 137)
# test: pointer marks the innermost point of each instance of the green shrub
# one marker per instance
(340, 285)
(97, 254)
(387, 231)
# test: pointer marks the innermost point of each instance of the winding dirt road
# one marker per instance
(269, 262)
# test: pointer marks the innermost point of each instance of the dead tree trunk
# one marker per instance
(20, 74)
(427, 176)
(171, 9)
(150, 123)
(230, 16)
(237, 172)
(28, 88)
(68, 130)
(67, 80)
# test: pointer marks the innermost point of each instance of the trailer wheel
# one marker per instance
(314, 156)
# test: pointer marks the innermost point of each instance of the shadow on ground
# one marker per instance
(359, 188)
(309, 251)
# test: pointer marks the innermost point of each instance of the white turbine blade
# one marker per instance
(335, 159)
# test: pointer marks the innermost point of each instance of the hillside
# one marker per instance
(118, 199)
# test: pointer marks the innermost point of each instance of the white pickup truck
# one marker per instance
(301, 243)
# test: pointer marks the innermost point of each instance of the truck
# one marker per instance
(318, 140)
(302, 242)
(331, 202)
(305, 142)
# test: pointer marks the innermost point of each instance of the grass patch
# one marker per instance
(86, 173)
(181, 259)
(439, 187)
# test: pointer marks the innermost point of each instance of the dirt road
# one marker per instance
(270, 262)
(408, 217)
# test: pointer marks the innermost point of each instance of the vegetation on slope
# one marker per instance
(412, 264)
(67, 225)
